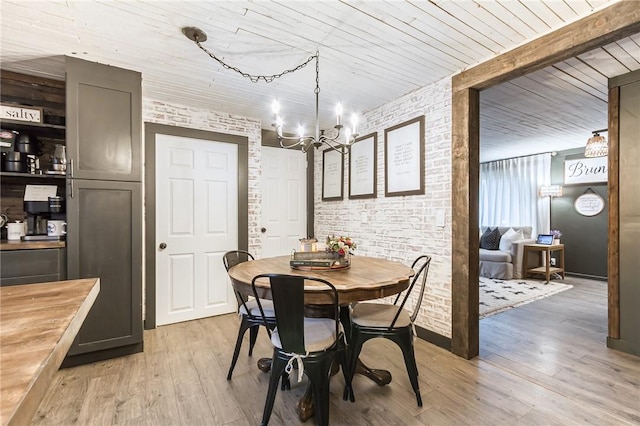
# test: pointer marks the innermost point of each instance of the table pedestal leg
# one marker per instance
(304, 406)
(379, 377)
(264, 365)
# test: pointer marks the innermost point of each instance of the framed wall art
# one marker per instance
(332, 175)
(404, 158)
(363, 167)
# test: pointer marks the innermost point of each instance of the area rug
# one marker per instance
(500, 295)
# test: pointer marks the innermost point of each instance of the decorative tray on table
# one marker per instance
(319, 260)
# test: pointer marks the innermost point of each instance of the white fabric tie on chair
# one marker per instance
(298, 358)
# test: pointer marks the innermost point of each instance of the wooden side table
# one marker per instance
(544, 263)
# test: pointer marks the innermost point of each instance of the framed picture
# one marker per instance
(404, 158)
(332, 175)
(363, 167)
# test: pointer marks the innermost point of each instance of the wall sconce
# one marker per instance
(550, 191)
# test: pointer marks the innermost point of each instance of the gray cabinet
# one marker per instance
(103, 240)
(104, 205)
(32, 266)
(104, 121)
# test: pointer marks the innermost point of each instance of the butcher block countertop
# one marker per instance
(6, 245)
(38, 323)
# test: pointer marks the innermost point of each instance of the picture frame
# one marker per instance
(363, 167)
(332, 175)
(404, 158)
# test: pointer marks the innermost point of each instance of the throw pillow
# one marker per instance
(508, 238)
(490, 239)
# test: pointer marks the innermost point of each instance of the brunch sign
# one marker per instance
(586, 170)
(20, 113)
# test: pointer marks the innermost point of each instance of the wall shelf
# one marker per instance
(30, 176)
(38, 129)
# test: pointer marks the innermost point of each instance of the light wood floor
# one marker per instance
(545, 363)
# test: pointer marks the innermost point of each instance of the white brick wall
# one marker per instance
(402, 228)
(195, 118)
(398, 228)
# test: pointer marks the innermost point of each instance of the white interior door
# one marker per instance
(284, 200)
(197, 220)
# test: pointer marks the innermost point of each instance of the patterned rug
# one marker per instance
(500, 295)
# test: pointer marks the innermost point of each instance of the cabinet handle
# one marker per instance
(71, 168)
(70, 188)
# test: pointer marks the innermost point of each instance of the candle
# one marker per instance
(338, 113)
(354, 124)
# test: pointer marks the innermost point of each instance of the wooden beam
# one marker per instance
(613, 258)
(465, 337)
(610, 24)
(617, 21)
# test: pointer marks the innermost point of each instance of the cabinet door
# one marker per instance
(104, 121)
(104, 240)
(32, 266)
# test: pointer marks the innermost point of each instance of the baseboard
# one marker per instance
(80, 359)
(586, 276)
(624, 346)
(434, 338)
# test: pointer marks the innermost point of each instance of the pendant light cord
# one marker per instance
(257, 78)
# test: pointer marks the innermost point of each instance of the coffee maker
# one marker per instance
(38, 215)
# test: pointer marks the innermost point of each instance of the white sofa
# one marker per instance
(501, 264)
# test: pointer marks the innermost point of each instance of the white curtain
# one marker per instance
(509, 192)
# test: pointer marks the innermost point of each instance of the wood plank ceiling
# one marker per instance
(371, 52)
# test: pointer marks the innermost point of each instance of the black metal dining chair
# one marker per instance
(391, 321)
(250, 317)
(311, 344)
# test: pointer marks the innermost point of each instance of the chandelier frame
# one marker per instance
(303, 142)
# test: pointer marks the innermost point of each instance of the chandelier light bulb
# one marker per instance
(354, 123)
(347, 136)
(275, 107)
(300, 130)
(338, 113)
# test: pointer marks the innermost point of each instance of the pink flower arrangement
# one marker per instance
(341, 245)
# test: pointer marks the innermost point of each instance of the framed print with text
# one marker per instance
(404, 158)
(332, 175)
(363, 167)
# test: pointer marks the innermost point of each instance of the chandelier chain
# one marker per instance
(257, 78)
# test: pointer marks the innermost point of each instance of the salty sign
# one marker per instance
(586, 170)
(20, 113)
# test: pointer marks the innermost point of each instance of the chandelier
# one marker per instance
(596, 145)
(340, 139)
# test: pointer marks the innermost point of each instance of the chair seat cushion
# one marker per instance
(378, 315)
(495, 256)
(319, 334)
(252, 306)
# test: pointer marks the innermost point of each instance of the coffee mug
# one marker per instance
(56, 228)
(15, 230)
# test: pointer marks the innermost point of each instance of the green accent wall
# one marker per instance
(584, 237)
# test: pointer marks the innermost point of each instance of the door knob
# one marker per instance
(163, 246)
(263, 230)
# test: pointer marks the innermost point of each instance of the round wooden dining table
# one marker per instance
(367, 278)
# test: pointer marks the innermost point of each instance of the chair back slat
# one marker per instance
(421, 266)
(287, 294)
(233, 258)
